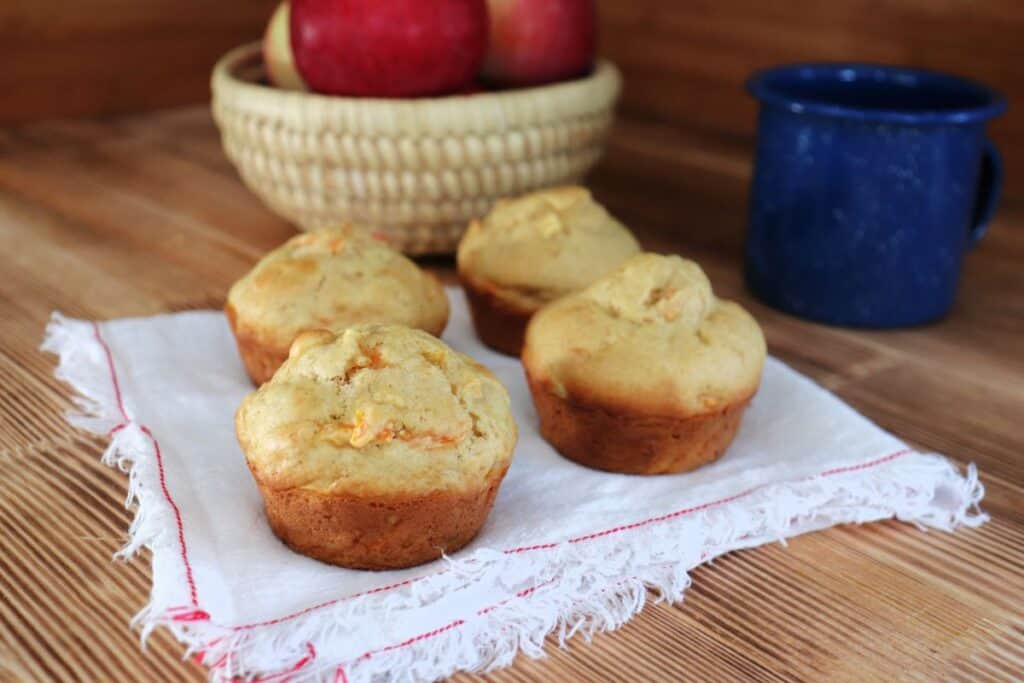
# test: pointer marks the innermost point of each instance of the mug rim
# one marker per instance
(764, 86)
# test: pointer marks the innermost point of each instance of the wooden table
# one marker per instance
(144, 215)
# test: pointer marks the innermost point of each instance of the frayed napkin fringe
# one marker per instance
(564, 589)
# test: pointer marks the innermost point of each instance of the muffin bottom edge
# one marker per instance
(261, 360)
(378, 532)
(498, 324)
(618, 441)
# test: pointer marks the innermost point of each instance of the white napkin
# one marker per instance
(565, 548)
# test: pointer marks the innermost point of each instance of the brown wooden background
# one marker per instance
(61, 58)
(684, 60)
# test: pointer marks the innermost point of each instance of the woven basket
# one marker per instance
(416, 170)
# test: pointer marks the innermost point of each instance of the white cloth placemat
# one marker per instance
(565, 548)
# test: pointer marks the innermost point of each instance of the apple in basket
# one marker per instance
(389, 48)
(277, 51)
(540, 41)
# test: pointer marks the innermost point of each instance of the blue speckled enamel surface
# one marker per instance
(859, 218)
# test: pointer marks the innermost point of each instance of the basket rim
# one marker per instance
(482, 112)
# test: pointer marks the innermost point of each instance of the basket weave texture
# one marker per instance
(416, 170)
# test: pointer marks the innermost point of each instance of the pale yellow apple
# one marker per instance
(277, 52)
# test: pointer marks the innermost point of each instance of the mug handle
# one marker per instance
(990, 187)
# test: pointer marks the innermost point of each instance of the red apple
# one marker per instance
(389, 48)
(473, 88)
(277, 52)
(540, 41)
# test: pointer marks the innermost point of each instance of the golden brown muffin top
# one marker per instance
(650, 338)
(543, 245)
(332, 279)
(377, 409)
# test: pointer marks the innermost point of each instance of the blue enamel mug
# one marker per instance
(870, 183)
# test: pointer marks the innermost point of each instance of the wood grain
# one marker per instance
(685, 63)
(140, 215)
(107, 56)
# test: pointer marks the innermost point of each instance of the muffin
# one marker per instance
(532, 250)
(378, 447)
(327, 280)
(645, 371)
